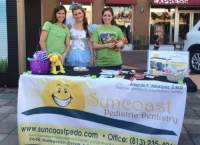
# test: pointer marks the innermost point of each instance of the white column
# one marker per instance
(176, 25)
(170, 31)
(191, 23)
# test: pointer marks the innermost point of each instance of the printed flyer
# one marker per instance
(165, 62)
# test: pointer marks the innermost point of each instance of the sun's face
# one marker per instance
(66, 94)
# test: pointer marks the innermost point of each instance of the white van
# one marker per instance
(192, 44)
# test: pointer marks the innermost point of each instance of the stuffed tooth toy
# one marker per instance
(55, 60)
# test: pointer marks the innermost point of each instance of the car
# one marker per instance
(192, 44)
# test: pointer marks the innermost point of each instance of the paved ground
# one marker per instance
(196, 79)
(190, 134)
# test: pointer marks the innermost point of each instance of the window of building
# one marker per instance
(124, 19)
(162, 24)
(196, 18)
(3, 38)
(184, 23)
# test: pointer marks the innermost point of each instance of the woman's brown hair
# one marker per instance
(111, 11)
(54, 19)
(85, 22)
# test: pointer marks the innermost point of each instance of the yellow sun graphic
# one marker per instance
(64, 93)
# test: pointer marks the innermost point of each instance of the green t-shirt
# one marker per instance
(57, 34)
(106, 56)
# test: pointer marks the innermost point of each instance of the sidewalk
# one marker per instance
(190, 134)
(8, 117)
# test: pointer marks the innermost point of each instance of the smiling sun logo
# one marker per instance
(65, 94)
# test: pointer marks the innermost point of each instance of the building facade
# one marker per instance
(172, 19)
(140, 20)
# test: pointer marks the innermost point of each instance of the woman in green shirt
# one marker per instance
(55, 35)
(107, 41)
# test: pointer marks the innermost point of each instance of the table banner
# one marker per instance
(63, 110)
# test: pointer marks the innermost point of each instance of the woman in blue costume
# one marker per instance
(80, 51)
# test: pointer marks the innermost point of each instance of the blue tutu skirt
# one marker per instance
(78, 58)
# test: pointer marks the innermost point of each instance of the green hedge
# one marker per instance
(3, 65)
